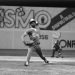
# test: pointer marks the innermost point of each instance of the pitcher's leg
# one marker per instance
(28, 56)
(39, 52)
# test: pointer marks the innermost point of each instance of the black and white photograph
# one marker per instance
(37, 37)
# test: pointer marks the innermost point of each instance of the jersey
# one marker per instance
(56, 46)
(33, 36)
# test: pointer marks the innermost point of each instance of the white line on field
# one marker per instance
(9, 69)
(19, 58)
(22, 70)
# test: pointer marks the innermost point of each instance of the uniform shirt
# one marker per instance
(33, 35)
(56, 46)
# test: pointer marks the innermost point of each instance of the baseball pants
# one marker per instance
(37, 49)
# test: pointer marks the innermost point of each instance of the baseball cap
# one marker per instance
(33, 20)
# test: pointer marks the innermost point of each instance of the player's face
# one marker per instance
(33, 24)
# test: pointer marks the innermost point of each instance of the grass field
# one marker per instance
(60, 66)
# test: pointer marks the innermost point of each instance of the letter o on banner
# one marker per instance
(43, 18)
(62, 43)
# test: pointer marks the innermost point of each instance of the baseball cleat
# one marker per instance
(26, 64)
(46, 61)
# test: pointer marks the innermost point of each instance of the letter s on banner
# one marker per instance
(9, 20)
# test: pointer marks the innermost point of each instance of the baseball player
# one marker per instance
(56, 47)
(34, 43)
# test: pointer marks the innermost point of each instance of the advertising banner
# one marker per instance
(18, 17)
(14, 20)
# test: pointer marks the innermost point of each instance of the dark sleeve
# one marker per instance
(29, 33)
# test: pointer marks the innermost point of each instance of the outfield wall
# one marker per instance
(14, 21)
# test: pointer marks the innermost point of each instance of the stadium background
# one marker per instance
(14, 23)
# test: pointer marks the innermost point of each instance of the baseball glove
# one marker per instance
(28, 43)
